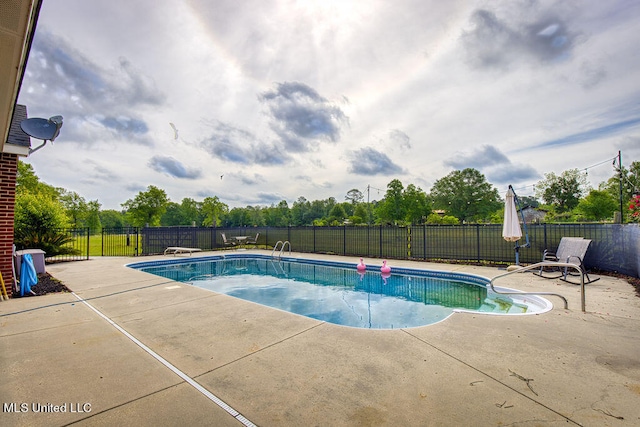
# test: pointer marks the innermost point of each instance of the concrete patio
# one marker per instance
(272, 368)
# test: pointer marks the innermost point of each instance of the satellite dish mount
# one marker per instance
(44, 129)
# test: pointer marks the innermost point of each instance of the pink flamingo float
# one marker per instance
(361, 266)
(385, 268)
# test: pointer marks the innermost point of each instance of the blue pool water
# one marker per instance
(338, 293)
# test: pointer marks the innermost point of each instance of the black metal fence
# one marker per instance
(120, 242)
(615, 247)
(76, 246)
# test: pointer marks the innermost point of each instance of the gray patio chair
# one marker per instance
(571, 250)
(253, 240)
(227, 242)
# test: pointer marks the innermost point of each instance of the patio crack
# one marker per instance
(491, 377)
(258, 351)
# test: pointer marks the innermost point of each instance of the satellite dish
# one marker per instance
(44, 129)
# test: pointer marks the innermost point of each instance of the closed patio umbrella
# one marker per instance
(511, 231)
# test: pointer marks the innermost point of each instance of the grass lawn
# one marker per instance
(114, 245)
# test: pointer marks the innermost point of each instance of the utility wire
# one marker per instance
(525, 187)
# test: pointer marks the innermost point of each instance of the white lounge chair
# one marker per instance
(174, 250)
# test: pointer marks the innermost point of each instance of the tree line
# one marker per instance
(462, 196)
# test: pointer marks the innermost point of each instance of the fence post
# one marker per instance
(424, 240)
(380, 240)
(88, 240)
(408, 242)
(368, 253)
(135, 252)
(478, 241)
(344, 239)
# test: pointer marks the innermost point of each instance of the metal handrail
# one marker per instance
(286, 242)
(275, 247)
(540, 265)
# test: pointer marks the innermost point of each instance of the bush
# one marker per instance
(434, 218)
(51, 242)
(37, 221)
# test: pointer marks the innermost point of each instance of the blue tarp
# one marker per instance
(28, 276)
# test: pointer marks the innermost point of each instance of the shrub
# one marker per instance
(634, 209)
(37, 222)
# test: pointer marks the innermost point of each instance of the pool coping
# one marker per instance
(275, 368)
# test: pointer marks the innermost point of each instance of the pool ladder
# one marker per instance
(278, 268)
(282, 245)
(540, 265)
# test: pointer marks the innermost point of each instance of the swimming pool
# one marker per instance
(336, 292)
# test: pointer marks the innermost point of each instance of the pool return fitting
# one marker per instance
(541, 265)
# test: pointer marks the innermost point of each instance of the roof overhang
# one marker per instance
(18, 19)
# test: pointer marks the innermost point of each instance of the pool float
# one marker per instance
(385, 268)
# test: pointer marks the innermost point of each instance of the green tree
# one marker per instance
(417, 205)
(147, 207)
(348, 208)
(354, 196)
(39, 214)
(360, 214)
(434, 218)
(111, 218)
(529, 201)
(465, 195)
(37, 223)
(76, 207)
(597, 206)
(278, 215)
(190, 211)
(255, 215)
(172, 215)
(92, 217)
(237, 217)
(213, 211)
(301, 212)
(28, 181)
(392, 208)
(630, 180)
(185, 213)
(320, 209)
(564, 191)
(337, 215)
(328, 205)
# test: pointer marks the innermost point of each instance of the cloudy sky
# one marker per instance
(258, 101)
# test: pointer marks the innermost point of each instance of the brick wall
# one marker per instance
(8, 171)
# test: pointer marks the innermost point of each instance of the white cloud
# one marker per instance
(316, 98)
(172, 167)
